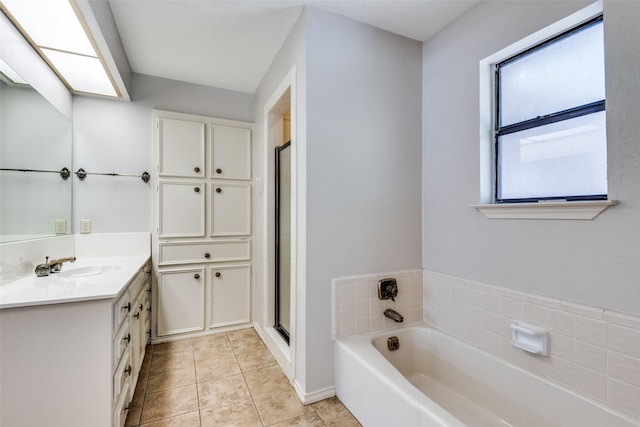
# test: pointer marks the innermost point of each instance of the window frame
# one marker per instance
(558, 116)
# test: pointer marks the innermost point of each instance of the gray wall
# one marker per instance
(592, 262)
(292, 52)
(115, 136)
(363, 165)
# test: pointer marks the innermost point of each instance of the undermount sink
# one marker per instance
(91, 270)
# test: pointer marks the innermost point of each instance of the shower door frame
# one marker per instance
(276, 324)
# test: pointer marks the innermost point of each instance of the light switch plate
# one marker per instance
(85, 226)
(61, 226)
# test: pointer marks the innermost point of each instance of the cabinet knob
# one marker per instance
(196, 169)
(127, 307)
(128, 370)
(218, 190)
(141, 307)
(207, 255)
(219, 171)
(127, 338)
(196, 189)
(218, 274)
(196, 276)
(137, 315)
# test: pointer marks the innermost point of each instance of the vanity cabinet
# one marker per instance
(130, 315)
(72, 364)
(201, 244)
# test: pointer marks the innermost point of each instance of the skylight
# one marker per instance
(56, 30)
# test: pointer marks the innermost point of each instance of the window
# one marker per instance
(550, 132)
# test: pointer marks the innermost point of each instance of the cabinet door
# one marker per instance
(181, 209)
(180, 301)
(181, 150)
(230, 209)
(230, 153)
(230, 295)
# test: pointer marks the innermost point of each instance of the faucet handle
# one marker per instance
(387, 289)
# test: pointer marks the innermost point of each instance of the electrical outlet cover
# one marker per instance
(85, 226)
(61, 226)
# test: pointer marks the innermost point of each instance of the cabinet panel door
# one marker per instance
(230, 153)
(231, 209)
(180, 301)
(230, 295)
(181, 209)
(181, 151)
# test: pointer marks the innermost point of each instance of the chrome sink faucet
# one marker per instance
(52, 266)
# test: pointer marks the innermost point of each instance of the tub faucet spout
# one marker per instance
(393, 315)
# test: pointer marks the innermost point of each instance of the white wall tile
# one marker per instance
(624, 340)
(562, 322)
(357, 309)
(590, 382)
(592, 351)
(591, 356)
(512, 308)
(562, 346)
(624, 396)
(624, 368)
(591, 331)
(622, 319)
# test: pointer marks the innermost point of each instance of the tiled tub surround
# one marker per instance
(357, 310)
(591, 350)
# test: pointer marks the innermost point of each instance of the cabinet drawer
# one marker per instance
(121, 310)
(185, 253)
(121, 376)
(122, 407)
(120, 342)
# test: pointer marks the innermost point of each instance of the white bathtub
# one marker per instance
(436, 380)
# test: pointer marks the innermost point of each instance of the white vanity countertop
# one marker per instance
(63, 287)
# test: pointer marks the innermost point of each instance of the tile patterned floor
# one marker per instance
(227, 379)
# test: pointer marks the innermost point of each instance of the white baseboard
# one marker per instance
(315, 396)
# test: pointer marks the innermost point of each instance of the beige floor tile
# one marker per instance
(242, 414)
(269, 379)
(248, 345)
(219, 342)
(216, 367)
(190, 419)
(334, 414)
(168, 403)
(226, 391)
(173, 347)
(170, 361)
(255, 360)
(309, 420)
(206, 353)
(242, 334)
(277, 407)
(172, 378)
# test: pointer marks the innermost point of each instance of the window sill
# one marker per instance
(546, 210)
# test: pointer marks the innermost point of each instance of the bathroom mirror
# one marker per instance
(34, 136)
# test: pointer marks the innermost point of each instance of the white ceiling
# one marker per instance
(231, 43)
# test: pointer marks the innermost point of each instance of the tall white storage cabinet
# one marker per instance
(201, 242)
